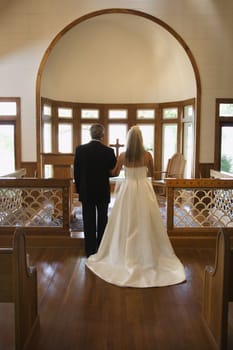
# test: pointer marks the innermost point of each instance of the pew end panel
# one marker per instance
(218, 290)
(25, 287)
(19, 286)
(6, 281)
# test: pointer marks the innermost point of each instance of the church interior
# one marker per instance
(165, 66)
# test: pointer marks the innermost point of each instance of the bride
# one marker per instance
(135, 250)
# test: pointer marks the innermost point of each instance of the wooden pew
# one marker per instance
(18, 285)
(218, 290)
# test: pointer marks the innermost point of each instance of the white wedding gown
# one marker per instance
(135, 250)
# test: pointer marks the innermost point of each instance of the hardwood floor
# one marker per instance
(79, 311)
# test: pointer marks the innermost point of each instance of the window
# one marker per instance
(117, 137)
(65, 113)
(146, 114)
(188, 147)
(170, 113)
(169, 143)
(85, 133)
(10, 135)
(226, 150)
(89, 114)
(226, 109)
(117, 114)
(188, 138)
(8, 108)
(7, 148)
(223, 135)
(167, 128)
(47, 128)
(65, 138)
(148, 135)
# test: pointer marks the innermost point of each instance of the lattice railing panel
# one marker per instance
(10, 200)
(31, 207)
(223, 208)
(203, 207)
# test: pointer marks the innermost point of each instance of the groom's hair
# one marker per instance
(97, 131)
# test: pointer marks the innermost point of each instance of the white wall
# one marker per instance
(117, 58)
(27, 28)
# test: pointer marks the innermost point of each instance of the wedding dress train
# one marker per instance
(135, 250)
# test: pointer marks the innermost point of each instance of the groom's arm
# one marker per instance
(118, 166)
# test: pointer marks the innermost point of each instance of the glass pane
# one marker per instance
(148, 137)
(85, 133)
(117, 114)
(117, 134)
(170, 113)
(65, 138)
(188, 111)
(47, 137)
(48, 171)
(169, 146)
(89, 113)
(64, 112)
(188, 149)
(8, 108)
(226, 109)
(7, 149)
(47, 110)
(145, 114)
(117, 137)
(226, 149)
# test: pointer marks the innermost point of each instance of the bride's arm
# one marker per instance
(118, 166)
(150, 165)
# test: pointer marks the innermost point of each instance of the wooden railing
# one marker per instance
(40, 206)
(199, 207)
(195, 208)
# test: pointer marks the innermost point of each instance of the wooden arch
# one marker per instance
(134, 13)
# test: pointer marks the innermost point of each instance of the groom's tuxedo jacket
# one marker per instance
(92, 164)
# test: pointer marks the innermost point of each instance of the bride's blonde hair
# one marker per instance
(134, 147)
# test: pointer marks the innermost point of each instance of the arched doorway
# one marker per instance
(169, 48)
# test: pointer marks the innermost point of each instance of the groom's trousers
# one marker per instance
(95, 217)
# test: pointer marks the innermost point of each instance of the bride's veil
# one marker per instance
(134, 154)
(134, 147)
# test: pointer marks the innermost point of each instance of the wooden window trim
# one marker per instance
(131, 120)
(16, 120)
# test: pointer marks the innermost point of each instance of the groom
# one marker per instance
(93, 162)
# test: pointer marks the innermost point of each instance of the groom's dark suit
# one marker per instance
(92, 164)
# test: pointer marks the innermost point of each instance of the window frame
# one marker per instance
(16, 121)
(220, 122)
(131, 120)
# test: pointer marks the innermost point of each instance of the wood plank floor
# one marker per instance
(80, 311)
